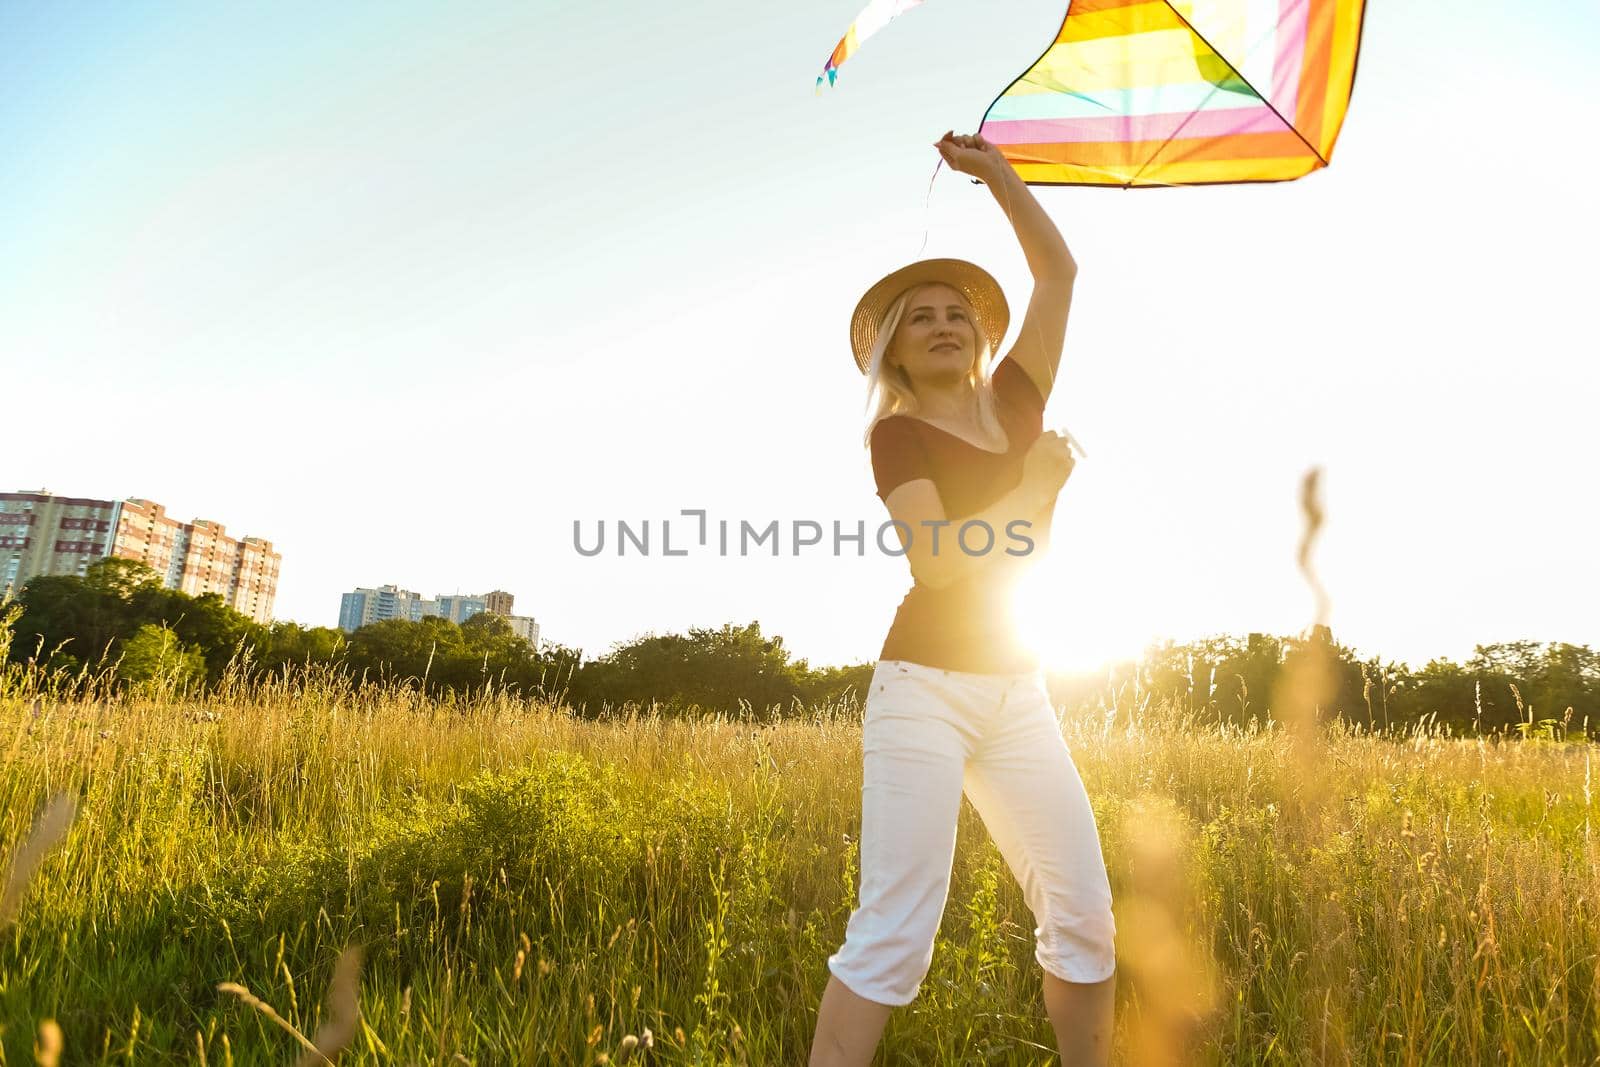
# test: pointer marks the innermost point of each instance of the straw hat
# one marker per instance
(975, 283)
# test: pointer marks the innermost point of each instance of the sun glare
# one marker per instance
(1075, 633)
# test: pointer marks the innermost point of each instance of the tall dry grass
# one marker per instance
(527, 886)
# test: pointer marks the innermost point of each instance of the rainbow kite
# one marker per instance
(1172, 92)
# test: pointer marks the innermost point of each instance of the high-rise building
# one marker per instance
(524, 627)
(499, 602)
(458, 609)
(152, 538)
(41, 533)
(199, 557)
(363, 607)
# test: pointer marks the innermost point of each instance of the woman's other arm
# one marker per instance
(918, 506)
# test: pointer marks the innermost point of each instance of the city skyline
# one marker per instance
(43, 533)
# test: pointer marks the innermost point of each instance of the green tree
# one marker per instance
(832, 685)
(67, 620)
(1550, 678)
(120, 578)
(156, 653)
(710, 669)
(204, 622)
(290, 643)
(430, 651)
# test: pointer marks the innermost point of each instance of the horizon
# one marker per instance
(1072, 671)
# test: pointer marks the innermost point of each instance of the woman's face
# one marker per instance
(936, 341)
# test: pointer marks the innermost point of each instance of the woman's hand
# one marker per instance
(971, 154)
(1048, 463)
(1045, 468)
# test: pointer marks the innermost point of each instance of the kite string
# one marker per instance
(927, 207)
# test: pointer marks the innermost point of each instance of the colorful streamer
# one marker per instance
(874, 17)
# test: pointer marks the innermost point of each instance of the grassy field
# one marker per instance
(526, 886)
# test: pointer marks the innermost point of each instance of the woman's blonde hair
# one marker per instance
(889, 388)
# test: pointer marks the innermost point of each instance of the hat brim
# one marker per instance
(976, 284)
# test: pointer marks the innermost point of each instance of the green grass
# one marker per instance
(532, 887)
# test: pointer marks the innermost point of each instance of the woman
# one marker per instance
(957, 702)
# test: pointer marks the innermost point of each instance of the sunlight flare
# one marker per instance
(1070, 629)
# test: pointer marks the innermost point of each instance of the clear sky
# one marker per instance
(407, 289)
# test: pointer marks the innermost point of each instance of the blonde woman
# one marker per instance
(957, 704)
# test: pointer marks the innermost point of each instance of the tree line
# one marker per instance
(1547, 688)
(119, 619)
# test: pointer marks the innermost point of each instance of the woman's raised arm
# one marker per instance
(1044, 326)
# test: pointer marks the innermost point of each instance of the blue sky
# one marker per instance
(407, 290)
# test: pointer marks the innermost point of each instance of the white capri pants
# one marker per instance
(928, 734)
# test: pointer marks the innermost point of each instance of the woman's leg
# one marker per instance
(1081, 1014)
(1025, 787)
(916, 735)
(848, 1027)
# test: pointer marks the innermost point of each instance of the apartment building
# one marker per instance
(524, 627)
(458, 609)
(199, 557)
(41, 534)
(362, 607)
